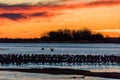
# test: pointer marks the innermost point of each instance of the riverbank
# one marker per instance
(39, 40)
(62, 71)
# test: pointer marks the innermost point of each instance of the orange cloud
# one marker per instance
(29, 21)
(104, 2)
(25, 11)
(98, 3)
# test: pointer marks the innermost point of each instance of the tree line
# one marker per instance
(66, 35)
(72, 35)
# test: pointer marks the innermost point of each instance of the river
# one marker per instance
(59, 48)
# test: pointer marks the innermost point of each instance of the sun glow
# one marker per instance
(32, 19)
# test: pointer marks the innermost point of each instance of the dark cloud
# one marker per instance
(12, 16)
(39, 14)
(14, 5)
(19, 16)
(42, 14)
(56, 3)
(3, 5)
(7, 7)
(103, 2)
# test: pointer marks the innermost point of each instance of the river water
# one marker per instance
(59, 48)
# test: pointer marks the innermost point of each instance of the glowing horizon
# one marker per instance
(31, 19)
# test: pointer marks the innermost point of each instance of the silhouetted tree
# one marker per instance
(76, 35)
(72, 35)
(60, 35)
(85, 34)
(97, 36)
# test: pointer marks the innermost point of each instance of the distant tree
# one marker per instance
(72, 35)
(65, 35)
(76, 35)
(52, 35)
(85, 34)
(97, 36)
(60, 35)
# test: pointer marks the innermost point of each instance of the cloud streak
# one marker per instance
(19, 16)
(97, 3)
(41, 14)
(12, 16)
(104, 3)
(109, 30)
(48, 9)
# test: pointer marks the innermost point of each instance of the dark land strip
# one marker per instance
(59, 71)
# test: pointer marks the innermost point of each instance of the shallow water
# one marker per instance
(59, 48)
(6, 75)
(62, 48)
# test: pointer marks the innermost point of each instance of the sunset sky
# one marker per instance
(33, 18)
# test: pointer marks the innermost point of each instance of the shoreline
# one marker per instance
(60, 71)
(68, 42)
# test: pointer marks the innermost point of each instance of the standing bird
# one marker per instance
(52, 49)
(42, 49)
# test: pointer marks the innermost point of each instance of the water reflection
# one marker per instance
(59, 48)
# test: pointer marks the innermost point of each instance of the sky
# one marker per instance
(34, 18)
